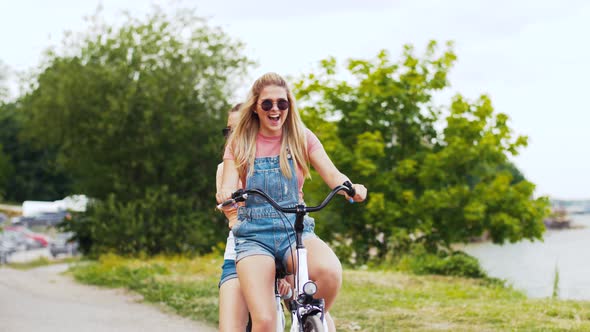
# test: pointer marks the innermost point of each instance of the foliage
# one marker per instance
(30, 171)
(432, 179)
(139, 106)
(368, 301)
(457, 263)
(134, 112)
(160, 222)
(6, 171)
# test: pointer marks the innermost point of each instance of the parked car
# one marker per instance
(4, 253)
(44, 219)
(7, 243)
(63, 243)
(40, 240)
(20, 239)
(7, 247)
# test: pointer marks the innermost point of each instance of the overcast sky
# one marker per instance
(531, 57)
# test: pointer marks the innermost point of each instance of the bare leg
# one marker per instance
(330, 321)
(325, 269)
(257, 276)
(233, 311)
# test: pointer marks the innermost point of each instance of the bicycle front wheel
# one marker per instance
(313, 323)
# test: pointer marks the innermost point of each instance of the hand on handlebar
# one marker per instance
(228, 206)
(224, 198)
(230, 201)
(360, 193)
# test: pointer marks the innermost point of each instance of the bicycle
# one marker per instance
(307, 313)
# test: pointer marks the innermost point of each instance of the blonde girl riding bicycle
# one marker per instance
(271, 149)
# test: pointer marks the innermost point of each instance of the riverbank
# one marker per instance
(369, 300)
(532, 266)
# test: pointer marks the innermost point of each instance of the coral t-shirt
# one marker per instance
(270, 146)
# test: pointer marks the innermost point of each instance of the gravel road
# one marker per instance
(42, 299)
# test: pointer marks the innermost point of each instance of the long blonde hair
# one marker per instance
(242, 141)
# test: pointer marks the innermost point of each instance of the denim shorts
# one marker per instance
(263, 231)
(228, 271)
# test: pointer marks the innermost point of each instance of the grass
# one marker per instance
(368, 301)
(41, 261)
(387, 301)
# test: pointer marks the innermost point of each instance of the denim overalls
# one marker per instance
(260, 229)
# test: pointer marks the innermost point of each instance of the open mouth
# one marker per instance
(274, 119)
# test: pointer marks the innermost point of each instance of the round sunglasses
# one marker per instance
(267, 104)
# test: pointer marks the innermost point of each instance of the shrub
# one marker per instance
(160, 222)
(456, 263)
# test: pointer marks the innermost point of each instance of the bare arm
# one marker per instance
(229, 184)
(229, 181)
(218, 176)
(332, 176)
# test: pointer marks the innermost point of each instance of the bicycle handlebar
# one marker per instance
(241, 195)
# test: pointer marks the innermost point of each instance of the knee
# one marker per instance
(329, 276)
(264, 323)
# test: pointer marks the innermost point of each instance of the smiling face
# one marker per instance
(271, 122)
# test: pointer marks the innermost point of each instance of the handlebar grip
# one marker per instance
(350, 192)
(238, 196)
(226, 203)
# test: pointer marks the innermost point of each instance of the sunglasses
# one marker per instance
(226, 131)
(267, 104)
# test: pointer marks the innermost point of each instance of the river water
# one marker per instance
(530, 266)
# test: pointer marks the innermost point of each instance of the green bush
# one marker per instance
(160, 222)
(456, 263)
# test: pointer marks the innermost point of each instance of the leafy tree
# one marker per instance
(136, 112)
(432, 179)
(5, 166)
(6, 171)
(30, 171)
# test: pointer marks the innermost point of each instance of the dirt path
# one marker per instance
(42, 299)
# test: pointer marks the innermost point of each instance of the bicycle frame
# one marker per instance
(303, 305)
